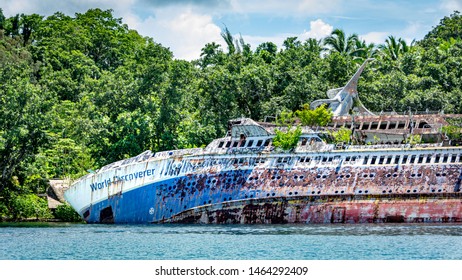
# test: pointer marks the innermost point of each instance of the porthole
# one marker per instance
(336, 191)
(348, 176)
(295, 193)
(371, 175)
(319, 192)
(408, 191)
(433, 190)
(414, 191)
(390, 191)
(273, 194)
(290, 193)
(342, 191)
(318, 176)
(267, 194)
(224, 199)
(312, 192)
(230, 198)
(364, 175)
(278, 177)
(384, 191)
(295, 177)
(360, 191)
(439, 190)
(301, 177)
(388, 175)
(272, 177)
(366, 191)
(395, 175)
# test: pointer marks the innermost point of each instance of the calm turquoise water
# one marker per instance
(307, 242)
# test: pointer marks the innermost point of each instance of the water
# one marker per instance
(236, 242)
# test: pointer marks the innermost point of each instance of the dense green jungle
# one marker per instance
(79, 92)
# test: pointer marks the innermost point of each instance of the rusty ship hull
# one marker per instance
(377, 177)
(339, 186)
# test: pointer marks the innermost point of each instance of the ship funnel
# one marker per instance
(345, 98)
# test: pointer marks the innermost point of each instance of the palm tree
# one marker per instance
(338, 42)
(394, 48)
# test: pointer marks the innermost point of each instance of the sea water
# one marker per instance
(231, 242)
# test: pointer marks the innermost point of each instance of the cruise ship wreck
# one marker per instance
(242, 178)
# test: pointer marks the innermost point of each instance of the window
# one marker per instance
(445, 158)
(228, 144)
(381, 159)
(374, 126)
(374, 158)
(389, 160)
(421, 157)
(259, 143)
(437, 158)
(404, 160)
(267, 142)
(428, 159)
(412, 159)
(250, 144)
(392, 125)
(423, 124)
(383, 125)
(220, 145)
(366, 158)
(235, 144)
(401, 125)
(366, 126)
(453, 158)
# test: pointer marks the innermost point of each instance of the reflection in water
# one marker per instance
(377, 241)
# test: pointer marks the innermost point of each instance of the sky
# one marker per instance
(185, 26)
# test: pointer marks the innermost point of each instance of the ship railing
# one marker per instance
(141, 157)
(182, 152)
(426, 112)
(393, 146)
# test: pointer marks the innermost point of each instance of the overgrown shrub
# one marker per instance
(66, 213)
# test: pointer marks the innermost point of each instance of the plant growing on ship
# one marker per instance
(287, 140)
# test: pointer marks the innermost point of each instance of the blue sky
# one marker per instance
(185, 26)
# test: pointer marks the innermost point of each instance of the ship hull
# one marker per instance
(253, 195)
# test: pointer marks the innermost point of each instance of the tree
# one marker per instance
(339, 42)
(287, 140)
(394, 48)
(320, 116)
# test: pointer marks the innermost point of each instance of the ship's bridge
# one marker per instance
(245, 127)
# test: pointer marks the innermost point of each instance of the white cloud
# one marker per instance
(318, 30)
(375, 37)
(451, 5)
(183, 31)
(69, 7)
(287, 8)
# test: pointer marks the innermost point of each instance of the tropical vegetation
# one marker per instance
(78, 92)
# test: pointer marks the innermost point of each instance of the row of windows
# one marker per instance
(243, 143)
(382, 125)
(392, 159)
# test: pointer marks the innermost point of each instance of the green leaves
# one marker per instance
(320, 116)
(287, 140)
